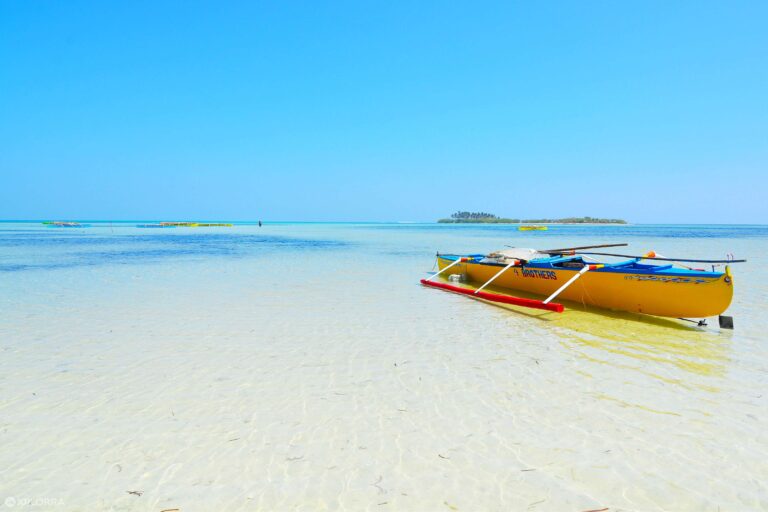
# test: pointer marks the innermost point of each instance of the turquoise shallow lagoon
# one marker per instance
(301, 366)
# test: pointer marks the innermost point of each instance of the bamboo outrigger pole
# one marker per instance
(458, 260)
(513, 264)
(584, 270)
(568, 249)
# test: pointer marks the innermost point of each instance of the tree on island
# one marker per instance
(473, 215)
(489, 218)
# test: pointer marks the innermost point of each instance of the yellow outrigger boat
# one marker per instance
(532, 228)
(629, 285)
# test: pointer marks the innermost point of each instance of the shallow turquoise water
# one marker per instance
(345, 384)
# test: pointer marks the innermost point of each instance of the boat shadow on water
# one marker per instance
(663, 348)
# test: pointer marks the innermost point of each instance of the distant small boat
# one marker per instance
(185, 225)
(64, 224)
(179, 224)
(532, 228)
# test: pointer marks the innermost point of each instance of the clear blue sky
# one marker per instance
(650, 111)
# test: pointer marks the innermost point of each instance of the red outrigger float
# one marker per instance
(497, 297)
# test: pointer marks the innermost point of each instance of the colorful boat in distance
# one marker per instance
(660, 290)
(185, 225)
(64, 224)
(179, 224)
(533, 228)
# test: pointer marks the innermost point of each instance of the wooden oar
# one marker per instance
(514, 263)
(645, 257)
(458, 260)
(566, 249)
(654, 254)
(580, 273)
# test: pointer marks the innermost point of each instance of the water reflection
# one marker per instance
(664, 349)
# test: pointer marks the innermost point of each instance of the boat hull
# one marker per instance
(661, 294)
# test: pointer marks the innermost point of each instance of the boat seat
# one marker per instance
(571, 264)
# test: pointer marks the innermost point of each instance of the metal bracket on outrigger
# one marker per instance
(725, 322)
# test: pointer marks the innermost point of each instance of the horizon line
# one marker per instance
(474, 224)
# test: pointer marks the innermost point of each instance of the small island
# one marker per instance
(489, 218)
